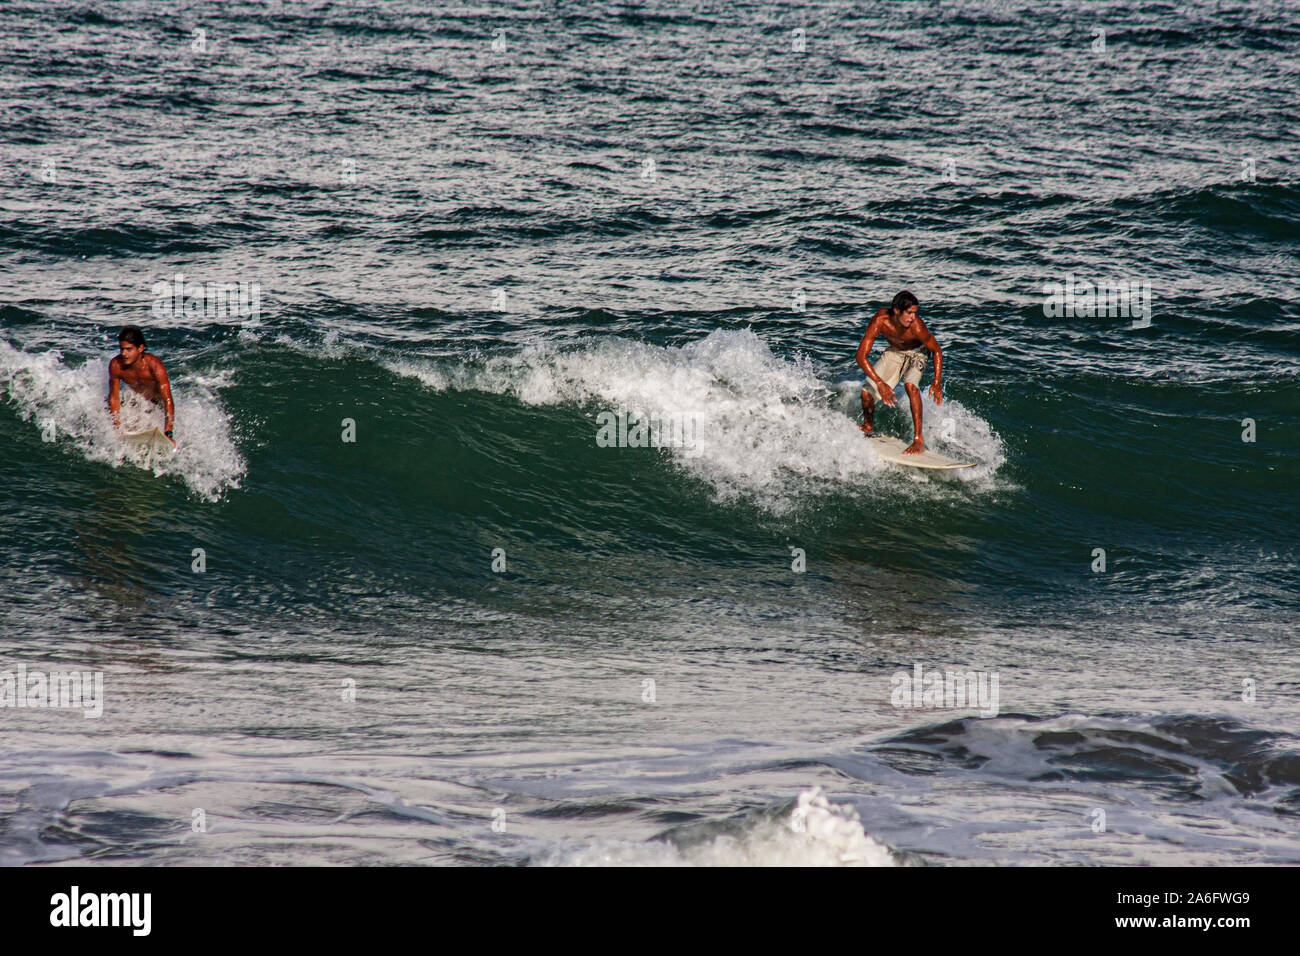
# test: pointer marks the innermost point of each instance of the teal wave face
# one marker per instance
(403, 476)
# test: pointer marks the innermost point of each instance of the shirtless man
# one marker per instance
(143, 372)
(907, 337)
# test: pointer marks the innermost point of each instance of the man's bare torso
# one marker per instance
(141, 375)
(893, 333)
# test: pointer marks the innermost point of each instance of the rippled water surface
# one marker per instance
(475, 635)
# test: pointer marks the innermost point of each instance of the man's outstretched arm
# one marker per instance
(165, 387)
(931, 343)
(114, 397)
(864, 349)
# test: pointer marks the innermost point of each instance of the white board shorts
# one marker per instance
(895, 364)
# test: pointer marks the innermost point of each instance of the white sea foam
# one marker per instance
(816, 833)
(771, 430)
(67, 404)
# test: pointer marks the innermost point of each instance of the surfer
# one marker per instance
(905, 358)
(144, 372)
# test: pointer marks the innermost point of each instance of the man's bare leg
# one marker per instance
(914, 399)
(868, 413)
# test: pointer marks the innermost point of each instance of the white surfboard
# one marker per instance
(891, 450)
(152, 444)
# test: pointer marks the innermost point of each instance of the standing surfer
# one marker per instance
(905, 358)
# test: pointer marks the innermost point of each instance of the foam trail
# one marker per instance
(769, 429)
(816, 833)
(68, 404)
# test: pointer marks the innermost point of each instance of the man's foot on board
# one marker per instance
(867, 430)
(915, 448)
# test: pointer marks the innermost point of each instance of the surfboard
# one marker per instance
(152, 444)
(891, 450)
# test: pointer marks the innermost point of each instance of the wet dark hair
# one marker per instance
(904, 301)
(132, 334)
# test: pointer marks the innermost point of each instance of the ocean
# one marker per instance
(403, 594)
